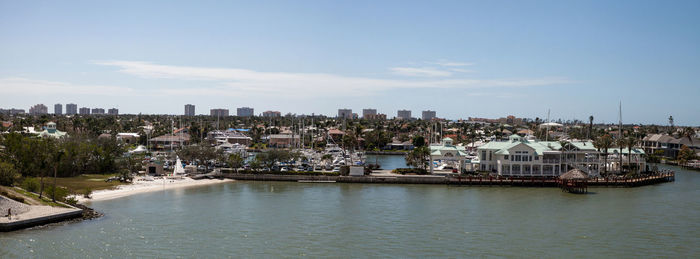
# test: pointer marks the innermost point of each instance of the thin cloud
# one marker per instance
(452, 64)
(419, 72)
(249, 83)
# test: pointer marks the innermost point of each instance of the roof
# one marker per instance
(336, 132)
(574, 174)
(550, 124)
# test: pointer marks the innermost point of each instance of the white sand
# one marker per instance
(148, 186)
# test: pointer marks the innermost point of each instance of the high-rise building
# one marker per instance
(272, 114)
(38, 109)
(244, 112)
(404, 114)
(58, 109)
(218, 112)
(189, 110)
(368, 113)
(98, 111)
(71, 109)
(113, 111)
(84, 111)
(345, 113)
(12, 111)
(428, 115)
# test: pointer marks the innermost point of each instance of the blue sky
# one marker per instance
(460, 58)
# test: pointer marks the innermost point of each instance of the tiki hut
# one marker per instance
(574, 181)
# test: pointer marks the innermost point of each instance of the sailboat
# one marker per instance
(179, 170)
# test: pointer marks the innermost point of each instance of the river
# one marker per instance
(285, 219)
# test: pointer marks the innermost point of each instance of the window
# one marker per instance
(516, 158)
(537, 157)
(483, 154)
(505, 157)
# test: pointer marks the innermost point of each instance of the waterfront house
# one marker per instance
(170, 141)
(669, 145)
(521, 157)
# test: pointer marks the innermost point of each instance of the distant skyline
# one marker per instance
(459, 58)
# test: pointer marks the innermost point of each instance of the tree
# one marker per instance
(685, 155)
(235, 161)
(418, 157)
(629, 143)
(590, 127)
(269, 158)
(418, 141)
(8, 174)
(604, 142)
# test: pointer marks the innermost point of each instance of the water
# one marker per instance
(388, 162)
(283, 219)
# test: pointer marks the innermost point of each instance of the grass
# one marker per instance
(79, 184)
(46, 199)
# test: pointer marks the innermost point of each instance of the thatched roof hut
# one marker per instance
(574, 174)
(574, 181)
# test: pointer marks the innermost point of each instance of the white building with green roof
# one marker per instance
(52, 132)
(528, 158)
(448, 154)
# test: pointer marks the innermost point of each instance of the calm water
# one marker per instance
(279, 219)
(388, 161)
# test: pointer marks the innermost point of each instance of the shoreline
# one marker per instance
(139, 187)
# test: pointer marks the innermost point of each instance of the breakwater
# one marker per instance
(457, 180)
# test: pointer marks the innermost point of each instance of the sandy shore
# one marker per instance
(148, 186)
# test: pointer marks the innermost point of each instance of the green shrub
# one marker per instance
(409, 171)
(71, 200)
(30, 184)
(8, 174)
(61, 192)
(87, 193)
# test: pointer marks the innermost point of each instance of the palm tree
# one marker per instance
(604, 142)
(590, 127)
(629, 143)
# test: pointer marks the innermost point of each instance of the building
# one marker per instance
(38, 109)
(84, 111)
(244, 112)
(428, 115)
(113, 111)
(189, 110)
(218, 112)
(668, 146)
(283, 140)
(369, 113)
(530, 158)
(345, 113)
(270, 114)
(168, 141)
(71, 109)
(98, 111)
(12, 111)
(403, 114)
(58, 109)
(51, 131)
(448, 156)
(379, 116)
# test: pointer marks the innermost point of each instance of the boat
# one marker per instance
(179, 169)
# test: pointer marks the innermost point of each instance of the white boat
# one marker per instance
(179, 170)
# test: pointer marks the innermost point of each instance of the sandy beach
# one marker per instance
(148, 186)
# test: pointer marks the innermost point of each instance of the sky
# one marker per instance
(460, 58)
